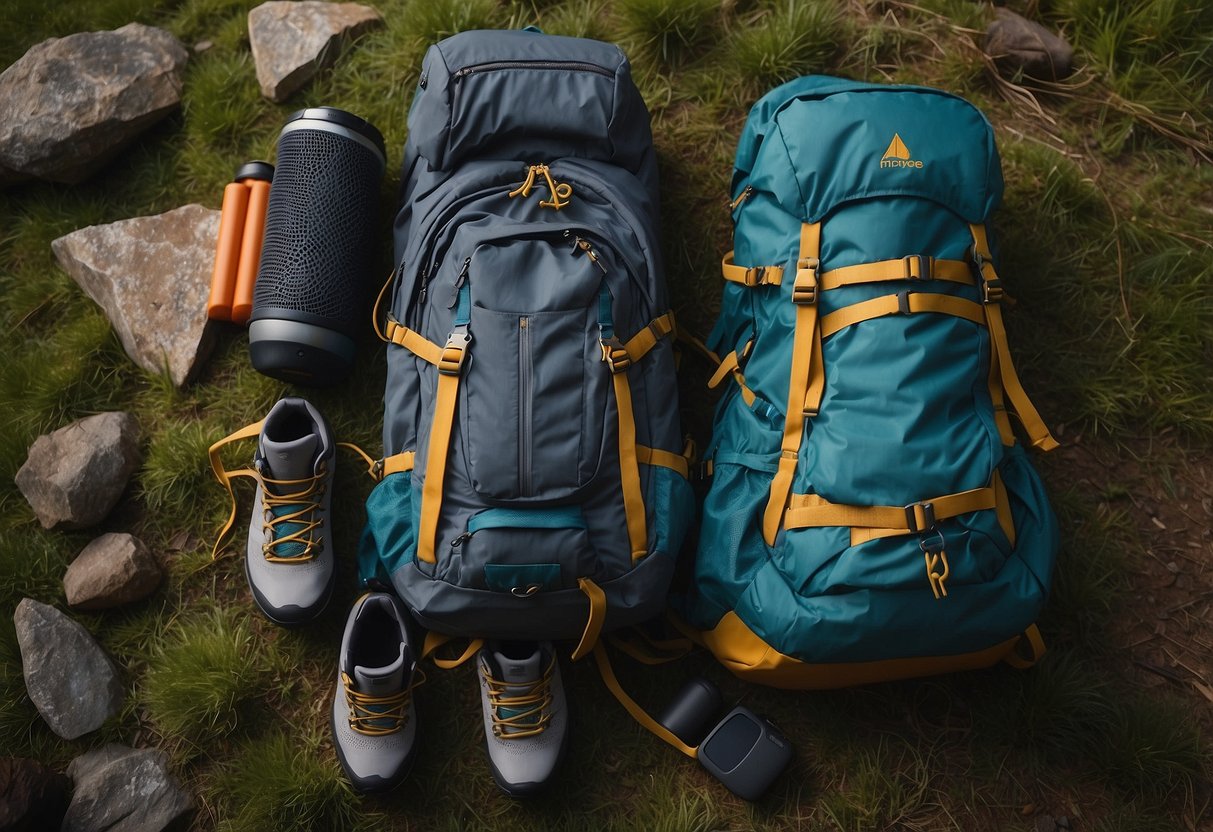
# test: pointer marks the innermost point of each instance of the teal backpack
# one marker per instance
(871, 515)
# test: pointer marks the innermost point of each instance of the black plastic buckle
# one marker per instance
(928, 517)
(919, 266)
(903, 303)
(991, 290)
(760, 273)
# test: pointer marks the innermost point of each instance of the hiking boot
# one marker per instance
(289, 560)
(525, 719)
(374, 720)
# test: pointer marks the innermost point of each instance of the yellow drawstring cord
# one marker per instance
(561, 192)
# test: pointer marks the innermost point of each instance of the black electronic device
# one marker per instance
(744, 751)
(312, 294)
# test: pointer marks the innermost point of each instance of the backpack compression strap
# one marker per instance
(808, 377)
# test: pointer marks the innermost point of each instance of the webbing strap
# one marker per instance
(902, 303)
(418, 345)
(638, 713)
(450, 368)
(728, 364)
(805, 345)
(629, 467)
(640, 343)
(1031, 639)
(593, 623)
(814, 511)
(911, 267)
(375, 309)
(752, 276)
(397, 463)
(225, 477)
(434, 641)
(667, 459)
(1038, 433)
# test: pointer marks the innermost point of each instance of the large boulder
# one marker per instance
(72, 103)
(114, 569)
(1019, 45)
(73, 477)
(32, 797)
(292, 41)
(69, 678)
(123, 788)
(151, 276)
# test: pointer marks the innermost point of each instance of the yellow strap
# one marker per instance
(1032, 639)
(727, 365)
(1038, 433)
(913, 267)
(449, 369)
(375, 308)
(805, 344)
(638, 713)
(651, 651)
(643, 341)
(418, 345)
(666, 459)
(372, 466)
(629, 468)
(903, 303)
(812, 510)
(433, 641)
(397, 463)
(593, 623)
(225, 477)
(752, 276)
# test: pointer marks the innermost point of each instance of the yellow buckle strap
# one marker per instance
(397, 463)
(910, 267)
(902, 303)
(434, 641)
(638, 345)
(814, 511)
(751, 276)
(629, 468)
(992, 293)
(638, 713)
(418, 345)
(807, 378)
(1034, 642)
(449, 370)
(666, 459)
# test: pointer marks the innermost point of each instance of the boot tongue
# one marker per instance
(381, 681)
(294, 459)
(519, 671)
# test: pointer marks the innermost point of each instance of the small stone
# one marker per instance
(151, 276)
(1020, 45)
(82, 98)
(292, 41)
(74, 476)
(203, 46)
(1173, 567)
(127, 788)
(71, 681)
(32, 796)
(114, 569)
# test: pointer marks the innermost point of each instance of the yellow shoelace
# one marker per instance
(394, 706)
(533, 705)
(306, 517)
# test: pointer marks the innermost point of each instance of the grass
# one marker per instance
(1105, 244)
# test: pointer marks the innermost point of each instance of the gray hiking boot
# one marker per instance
(289, 560)
(525, 718)
(374, 719)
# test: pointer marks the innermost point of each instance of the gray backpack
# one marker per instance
(534, 484)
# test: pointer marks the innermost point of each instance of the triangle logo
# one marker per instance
(897, 149)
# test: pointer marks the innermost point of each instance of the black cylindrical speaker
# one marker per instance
(312, 292)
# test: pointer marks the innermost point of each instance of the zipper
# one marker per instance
(459, 281)
(741, 197)
(582, 246)
(573, 66)
(525, 395)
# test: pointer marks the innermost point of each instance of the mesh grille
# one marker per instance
(319, 234)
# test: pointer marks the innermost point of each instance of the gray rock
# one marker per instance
(127, 789)
(151, 276)
(74, 476)
(69, 678)
(292, 41)
(114, 569)
(1020, 45)
(32, 796)
(82, 98)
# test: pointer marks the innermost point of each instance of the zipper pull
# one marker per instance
(580, 245)
(425, 282)
(459, 281)
(462, 539)
(741, 197)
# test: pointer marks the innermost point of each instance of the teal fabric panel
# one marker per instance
(557, 517)
(671, 509)
(504, 577)
(389, 537)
